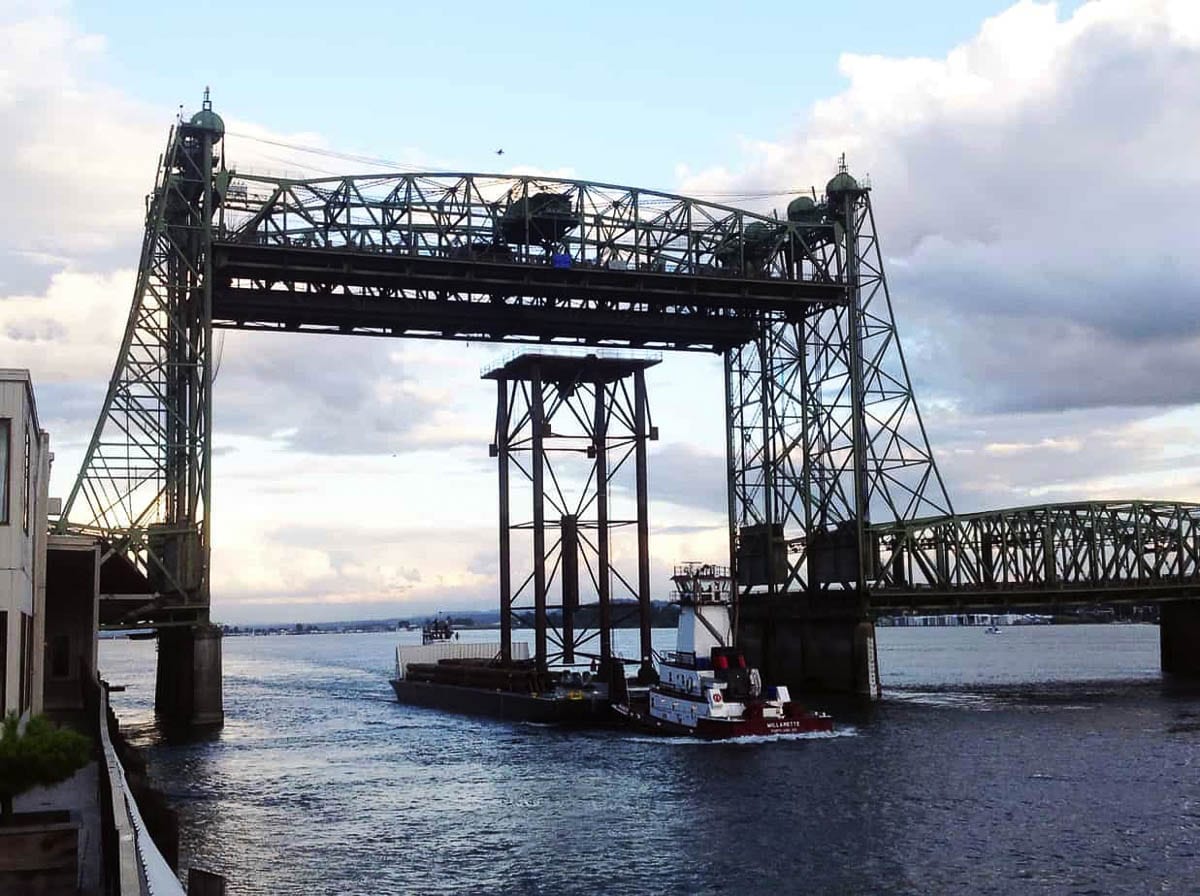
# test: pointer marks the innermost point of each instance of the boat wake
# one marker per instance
(956, 699)
(674, 740)
(1007, 699)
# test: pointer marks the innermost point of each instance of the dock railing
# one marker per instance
(134, 866)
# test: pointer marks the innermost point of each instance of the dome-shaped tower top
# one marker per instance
(208, 120)
(803, 208)
(842, 183)
(799, 205)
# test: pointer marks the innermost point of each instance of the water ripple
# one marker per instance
(1021, 779)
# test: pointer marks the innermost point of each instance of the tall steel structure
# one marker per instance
(573, 428)
(834, 494)
(146, 481)
(824, 430)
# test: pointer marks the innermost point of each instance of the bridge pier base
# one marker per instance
(1179, 639)
(810, 648)
(187, 687)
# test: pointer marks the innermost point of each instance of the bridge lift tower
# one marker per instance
(145, 488)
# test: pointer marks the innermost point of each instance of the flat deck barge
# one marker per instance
(466, 677)
(561, 709)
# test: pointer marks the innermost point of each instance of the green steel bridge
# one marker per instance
(834, 494)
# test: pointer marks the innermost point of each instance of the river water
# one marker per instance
(1047, 759)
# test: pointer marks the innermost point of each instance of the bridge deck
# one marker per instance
(1038, 597)
(388, 294)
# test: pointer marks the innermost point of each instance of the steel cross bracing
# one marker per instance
(824, 430)
(521, 259)
(574, 431)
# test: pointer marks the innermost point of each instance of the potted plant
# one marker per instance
(38, 850)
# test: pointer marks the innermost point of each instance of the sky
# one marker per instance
(1034, 185)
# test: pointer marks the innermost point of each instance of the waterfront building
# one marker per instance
(24, 481)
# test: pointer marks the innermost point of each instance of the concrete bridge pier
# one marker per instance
(187, 687)
(811, 646)
(1179, 638)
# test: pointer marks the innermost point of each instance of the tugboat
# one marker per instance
(436, 630)
(705, 687)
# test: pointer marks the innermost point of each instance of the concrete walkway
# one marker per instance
(81, 795)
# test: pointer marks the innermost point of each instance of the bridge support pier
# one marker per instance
(811, 648)
(1179, 639)
(187, 687)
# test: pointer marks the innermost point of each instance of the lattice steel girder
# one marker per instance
(354, 272)
(313, 289)
(428, 257)
(480, 322)
(1093, 547)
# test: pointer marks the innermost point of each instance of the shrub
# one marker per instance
(41, 755)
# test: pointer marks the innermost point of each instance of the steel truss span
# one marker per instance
(1033, 556)
(833, 489)
(522, 259)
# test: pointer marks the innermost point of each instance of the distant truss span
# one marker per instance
(1079, 552)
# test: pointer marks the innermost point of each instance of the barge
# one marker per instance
(468, 678)
(704, 688)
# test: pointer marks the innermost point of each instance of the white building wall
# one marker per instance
(22, 533)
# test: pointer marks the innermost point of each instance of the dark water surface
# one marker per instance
(1044, 760)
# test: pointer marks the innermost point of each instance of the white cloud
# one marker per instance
(1034, 192)
(80, 158)
(75, 153)
(70, 331)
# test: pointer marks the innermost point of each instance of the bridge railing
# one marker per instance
(527, 220)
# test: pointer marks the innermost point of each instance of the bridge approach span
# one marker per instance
(1039, 557)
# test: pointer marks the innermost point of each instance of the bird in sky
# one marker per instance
(500, 152)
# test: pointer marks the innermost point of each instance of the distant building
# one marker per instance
(24, 481)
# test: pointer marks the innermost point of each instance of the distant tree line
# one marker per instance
(624, 615)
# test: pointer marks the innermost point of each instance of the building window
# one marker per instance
(60, 657)
(5, 432)
(28, 484)
(26, 669)
(3, 662)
